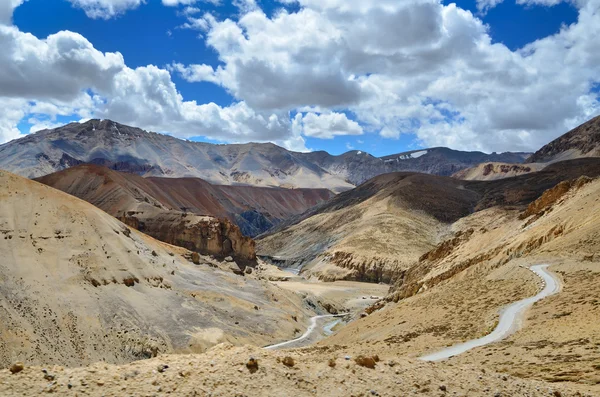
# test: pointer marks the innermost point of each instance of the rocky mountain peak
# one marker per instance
(582, 141)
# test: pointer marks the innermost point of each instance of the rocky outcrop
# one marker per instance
(202, 234)
(493, 171)
(445, 248)
(583, 141)
(552, 196)
(370, 270)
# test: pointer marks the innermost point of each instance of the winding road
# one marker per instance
(511, 318)
(311, 329)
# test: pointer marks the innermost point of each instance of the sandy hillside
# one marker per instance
(493, 171)
(77, 286)
(379, 230)
(374, 232)
(454, 293)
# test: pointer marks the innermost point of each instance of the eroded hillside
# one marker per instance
(253, 209)
(454, 292)
(377, 231)
(374, 232)
(77, 286)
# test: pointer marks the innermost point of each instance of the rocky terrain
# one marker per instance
(493, 171)
(583, 141)
(371, 233)
(377, 231)
(130, 199)
(253, 209)
(580, 142)
(241, 371)
(461, 284)
(129, 149)
(454, 292)
(77, 286)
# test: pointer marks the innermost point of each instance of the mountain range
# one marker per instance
(254, 209)
(378, 230)
(129, 149)
(137, 264)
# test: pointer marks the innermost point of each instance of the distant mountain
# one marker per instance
(129, 149)
(583, 141)
(254, 209)
(493, 171)
(380, 229)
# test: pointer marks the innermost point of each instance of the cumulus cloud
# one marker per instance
(56, 67)
(326, 126)
(486, 5)
(6, 10)
(340, 67)
(409, 67)
(64, 74)
(174, 3)
(13, 110)
(195, 73)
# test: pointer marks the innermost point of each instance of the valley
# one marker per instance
(410, 283)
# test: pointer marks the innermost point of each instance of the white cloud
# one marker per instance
(195, 73)
(7, 8)
(245, 5)
(56, 67)
(39, 125)
(174, 3)
(486, 5)
(65, 75)
(106, 9)
(13, 110)
(409, 67)
(416, 66)
(327, 126)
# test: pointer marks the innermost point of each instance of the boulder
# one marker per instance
(196, 258)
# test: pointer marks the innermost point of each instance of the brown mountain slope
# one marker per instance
(454, 292)
(380, 229)
(583, 141)
(77, 286)
(373, 232)
(253, 209)
(493, 171)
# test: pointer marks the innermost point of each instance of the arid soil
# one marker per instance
(249, 371)
(454, 293)
(469, 267)
(77, 286)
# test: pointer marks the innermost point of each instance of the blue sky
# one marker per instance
(152, 34)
